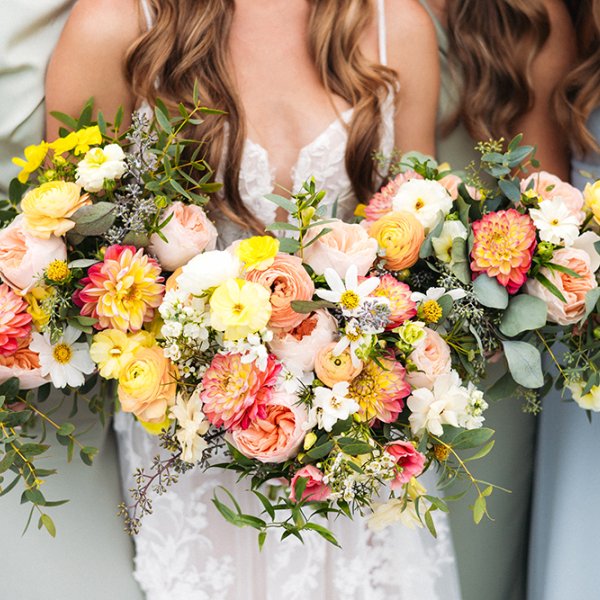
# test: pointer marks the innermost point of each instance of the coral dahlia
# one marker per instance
(15, 321)
(123, 290)
(235, 393)
(503, 248)
(402, 306)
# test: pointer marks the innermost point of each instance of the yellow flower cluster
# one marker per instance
(591, 194)
(258, 252)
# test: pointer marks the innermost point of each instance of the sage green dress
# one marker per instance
(91, 556)
(492, 556)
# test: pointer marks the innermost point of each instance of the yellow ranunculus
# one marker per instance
(591, 194)
(239, 308)
(147, 385)
(112, 349)
(34, 157)
(258, 252)
(34, 298)
(46, 208)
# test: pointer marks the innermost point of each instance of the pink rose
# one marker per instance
(298, 347)
(344, 245)
(287, 280)
(574, 289)
(189, 232)
(23, 257)
(277, 436)
(315, 489)
(407, 457)
(432, 358)
(24, 364)
(548, 186)
(451, 182)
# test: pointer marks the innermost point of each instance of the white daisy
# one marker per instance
(349, 294)
(427, 200)
(354, 337)
(65, 361)
(555, 222)
(435, 293)
(333, 405)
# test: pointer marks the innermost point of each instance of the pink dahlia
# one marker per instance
(123, 291)
(236, 393)
(15, 321)
(380, 390)
(503, 247)
(381, 203)
(398, 293)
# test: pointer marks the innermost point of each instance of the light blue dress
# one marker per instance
(565, 540)
(91, 558)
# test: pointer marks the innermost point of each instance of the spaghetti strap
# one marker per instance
(382, 32)
(147, 14)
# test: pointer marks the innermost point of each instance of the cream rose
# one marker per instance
(23, 257)
(278, 436)
(432, 358)
(298, 347)
(346, 244)
(574, 289)
(189, 232)
(48, 207)
(147, 385)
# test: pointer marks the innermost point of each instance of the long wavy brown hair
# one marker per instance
(580, 93)
(492, 46)
(188, 42)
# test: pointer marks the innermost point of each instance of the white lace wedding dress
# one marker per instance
(187, 551)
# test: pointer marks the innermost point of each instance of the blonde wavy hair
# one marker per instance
(579, 94)
(189, 42)
(491, 52)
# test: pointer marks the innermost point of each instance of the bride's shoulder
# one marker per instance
(410, 29)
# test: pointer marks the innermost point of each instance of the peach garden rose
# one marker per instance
(432, 358)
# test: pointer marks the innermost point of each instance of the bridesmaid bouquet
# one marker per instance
(81, 240)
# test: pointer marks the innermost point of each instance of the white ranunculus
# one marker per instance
(587, 242)
(394, 511)
(208, 270)
(100, 165)
(425, 199)
(442, 245)
(555, 222)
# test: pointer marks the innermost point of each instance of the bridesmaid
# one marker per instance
(91, 546)
(566, 528)
(500, 66)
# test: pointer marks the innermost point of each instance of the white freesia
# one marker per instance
(391, 512)
(191, 426)
(555, 222)
(208, 270)
(586, 242)
(442, 405)
(100, 165)
(348, 293)
(333, 405)
(472, 417)
(425, 199)
(589, 401)
(65, 361)
(442, 245)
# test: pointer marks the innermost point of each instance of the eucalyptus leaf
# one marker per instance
(94, 219)
(427, 246)
(524, 313)
(525, 363)
(489, 292)
(305, 307)
(459, 264)
(592, 298)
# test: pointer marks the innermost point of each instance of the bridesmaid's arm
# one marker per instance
(413, 53)
(88, 61)
(549, 68)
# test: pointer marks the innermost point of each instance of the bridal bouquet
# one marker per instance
(82, 239)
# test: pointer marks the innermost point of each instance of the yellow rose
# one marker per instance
(34, 157)
(400, 236)
(591, 195)
(147, 385)
(112, 349)
(46, 208)
(258, 252)
(239, 308)
(331, 369)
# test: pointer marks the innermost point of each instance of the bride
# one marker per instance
(310, 87)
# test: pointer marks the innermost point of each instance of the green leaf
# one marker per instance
(472, 438)
(10, 486)
(479, 509)
(266, 504)
(354, 447)
(94, 219)
(162, 118)
(489, 292)
(430, 524)
(7, 461)
(550, 286)
(32, 449)
(592, 298)
(48, 523)
(34, 496)
(525, 363)
(323, 532)
(87, 455)
(285, 203)
(524, 313)
(82, 263)
(67, 120)
(483, 452)
(305, 307)
(511, 190)
(459, 264)
(289, 245)
(503, 388)
(281, 226)
(262, 536)
(427, 246)
(320, 451)
(66, 429)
